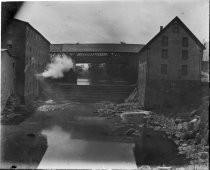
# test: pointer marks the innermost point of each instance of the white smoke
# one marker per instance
(59, 65)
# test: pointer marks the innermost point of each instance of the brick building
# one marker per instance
(169, 65)
(7, 76)
(32, 50)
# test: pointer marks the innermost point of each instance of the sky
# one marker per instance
(134, 22)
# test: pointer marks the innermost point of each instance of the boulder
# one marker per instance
(157, 128)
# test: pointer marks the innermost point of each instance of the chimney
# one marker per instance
(161, 28)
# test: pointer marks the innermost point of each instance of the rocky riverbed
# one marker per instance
(191, 136)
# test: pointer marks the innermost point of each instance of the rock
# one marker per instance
(179, 127)
(181, 148)
(187, 148)
(189, 135)
(137, 134)
(197, 124)
(193, 113)
(164, 168)
(178, 120)
(11, 115)
(176, 142)
(206, 148)
(157, 128)
(203, 155)
(129, 132)
(194, 120)
(184, 144)
(203, 142)
(13, 167)
(185, 125)
(181, 152)
(178, 135)
(49, 101)
(144, 167)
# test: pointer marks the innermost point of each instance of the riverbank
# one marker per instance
(189, 135)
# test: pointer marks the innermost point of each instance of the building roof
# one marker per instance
(167, 26)
(32, 28)
(124, 48)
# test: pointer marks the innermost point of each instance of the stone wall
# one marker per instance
(7, 77)
(164, 93)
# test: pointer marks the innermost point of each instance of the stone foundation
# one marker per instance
(163, 93)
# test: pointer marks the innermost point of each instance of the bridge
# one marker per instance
(99, 53)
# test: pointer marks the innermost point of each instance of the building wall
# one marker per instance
(164, 93)
(32, 51)
(174, 60)
(7, 77)
(37, 57)
(15, 43)
(172, 88)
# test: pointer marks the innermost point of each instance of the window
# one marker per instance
(175, 28)
(165, 41)
(184, 70)
(163, 68)
(164, 53)
(13, 64)
(185, 42)
(184, 54)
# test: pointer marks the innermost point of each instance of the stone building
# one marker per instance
(32, 50)
(7, 76)
(169, 65)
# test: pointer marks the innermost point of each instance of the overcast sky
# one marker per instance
(113, 21)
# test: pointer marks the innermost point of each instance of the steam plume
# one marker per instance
(58, 66)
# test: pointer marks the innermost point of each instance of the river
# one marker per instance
(69, 134)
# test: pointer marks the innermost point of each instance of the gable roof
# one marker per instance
(24, 22)
(124, 48)
(167, 26)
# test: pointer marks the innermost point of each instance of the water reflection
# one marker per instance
(81, 81)
(87, 81)
(65, 152)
